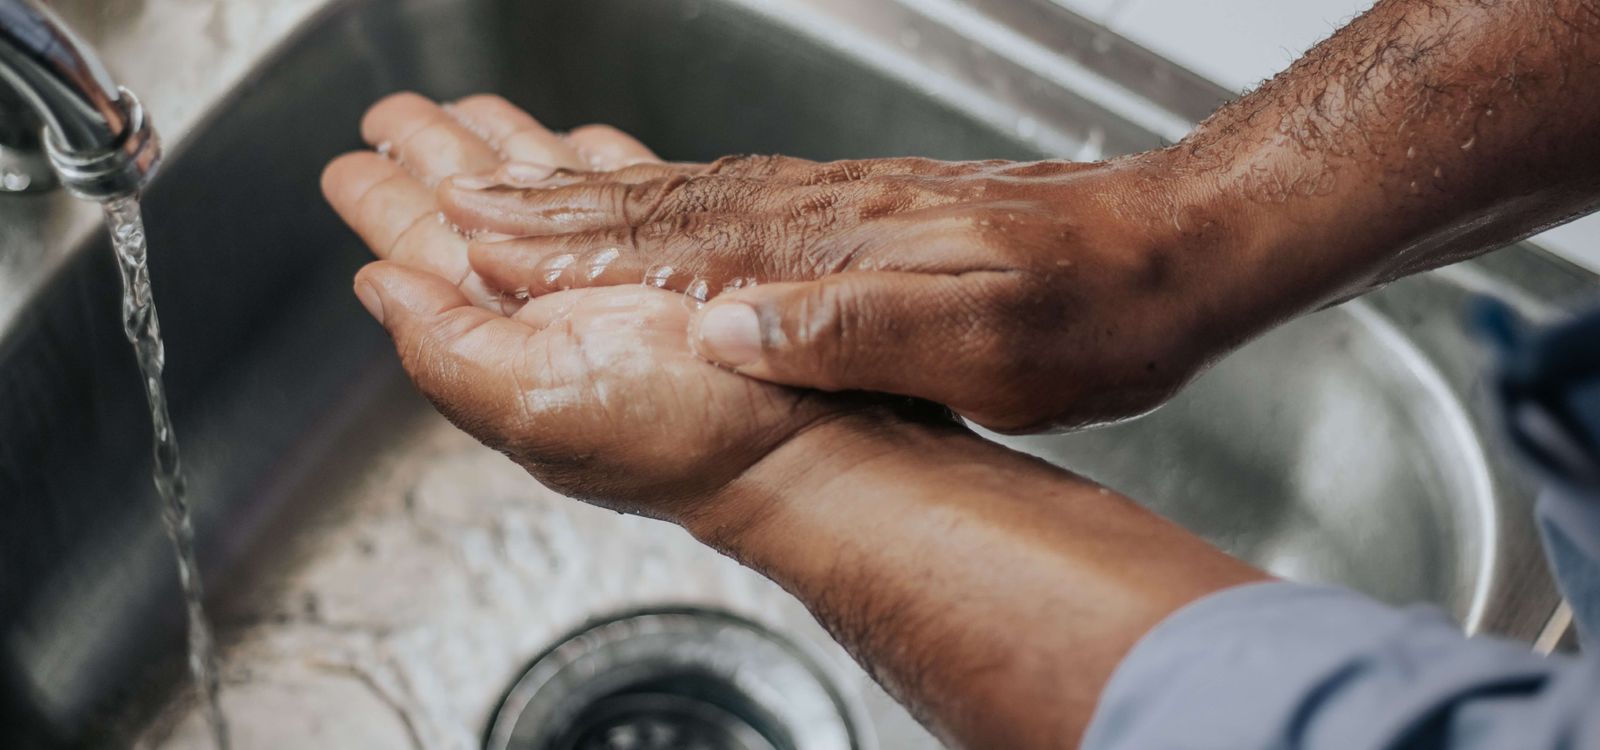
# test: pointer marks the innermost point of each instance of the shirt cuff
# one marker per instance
(1280, 664)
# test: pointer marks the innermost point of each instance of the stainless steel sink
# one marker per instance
(380, 580)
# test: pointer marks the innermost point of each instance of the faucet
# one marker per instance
(61, 115)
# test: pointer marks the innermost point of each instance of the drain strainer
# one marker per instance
(680, 680)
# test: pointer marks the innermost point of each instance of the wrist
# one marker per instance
(1249, 232)
(1191, 284)
(1304, 230)
(861, 447)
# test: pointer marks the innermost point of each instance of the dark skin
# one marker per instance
(991, 593)
(1423, 133)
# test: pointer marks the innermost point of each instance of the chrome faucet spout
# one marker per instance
(99, 139)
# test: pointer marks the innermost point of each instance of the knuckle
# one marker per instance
(825, 332)
(811, 230)
(655, 233)
(637, 173)
(374, 199)
(716, 234)
(885, 198)
(816, 205)
(806, 219)
(663, 233)
(700, 193)
(920, 165)
(649, 201)
(750, 165)
(412, 236)
(833, 173)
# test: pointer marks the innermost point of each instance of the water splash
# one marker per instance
(140, 323)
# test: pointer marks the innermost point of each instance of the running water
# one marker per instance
(144, 332)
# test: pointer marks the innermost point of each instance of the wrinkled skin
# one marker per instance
(1023, 295)
(594, 391)
(1030, 296)
(992, 593)
(852, 502)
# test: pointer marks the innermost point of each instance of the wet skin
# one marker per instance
(852, 502)
(1022, 295)
(1030, 296)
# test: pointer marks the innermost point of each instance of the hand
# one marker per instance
(594, 391)
(1024, 296)
(850, 503)
(388, 198)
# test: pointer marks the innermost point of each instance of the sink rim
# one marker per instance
(51, 222)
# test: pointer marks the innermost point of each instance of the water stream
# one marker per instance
(144, 332)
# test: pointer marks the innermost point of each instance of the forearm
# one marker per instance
(988, 591)
(1424, 132)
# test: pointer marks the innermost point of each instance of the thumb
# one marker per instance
(459, 356)
(878, 331)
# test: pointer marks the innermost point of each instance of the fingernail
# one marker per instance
(370, 299)
(474, 181)
(525, 174)
(730, 333)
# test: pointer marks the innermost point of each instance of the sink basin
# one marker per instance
(380, 581)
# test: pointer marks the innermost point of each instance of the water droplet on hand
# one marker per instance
(658, 276)
(555, 270)
(698, 292)
(600, 261)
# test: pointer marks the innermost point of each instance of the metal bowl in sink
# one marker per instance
(1329, 451)
(381, 578)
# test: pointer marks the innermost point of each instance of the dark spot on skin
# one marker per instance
(1155, 269)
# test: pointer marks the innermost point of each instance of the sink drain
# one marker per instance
(680, 680)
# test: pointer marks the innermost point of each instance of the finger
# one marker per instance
(425, 139)
(855, 170)
(470, 362)
(606, 148)
(515, 134)
(876, 331)
(519, 174)
(702, 254)
(394, 214)
(790, 170)
(587, 206)
(761, 165)
(777, 169)
(533, 266)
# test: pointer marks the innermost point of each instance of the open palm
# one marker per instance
(595, 391)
